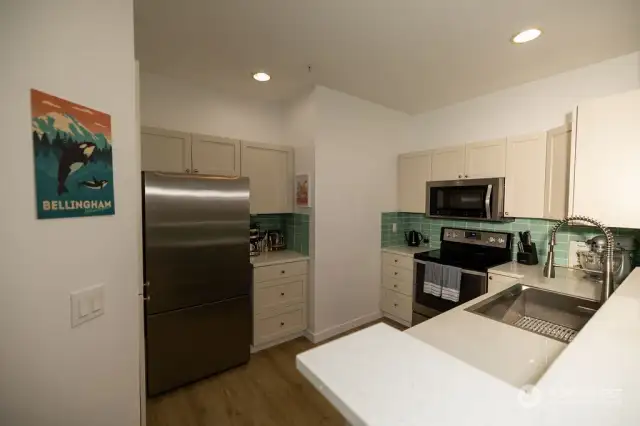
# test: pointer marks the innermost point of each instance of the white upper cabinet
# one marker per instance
(414, 170)
(448, 163)
(270, 172)
(525, 176)
(165, 150)
(213, 155)
(605, 161)
(557, 173)
(485, 159)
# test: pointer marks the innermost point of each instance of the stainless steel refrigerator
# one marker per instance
(198, 318)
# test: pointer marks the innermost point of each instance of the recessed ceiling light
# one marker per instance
(526, 35)
(262, 76)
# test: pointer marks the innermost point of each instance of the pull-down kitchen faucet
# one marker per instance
(607, 265)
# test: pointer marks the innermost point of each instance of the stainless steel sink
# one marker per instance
(554, 315)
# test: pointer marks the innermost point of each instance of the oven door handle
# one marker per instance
(466, 271)
(487, 201)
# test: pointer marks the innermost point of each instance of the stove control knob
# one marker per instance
(501, 240)
(455, 235)
(492, 240)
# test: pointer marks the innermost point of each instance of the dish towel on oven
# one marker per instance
(451, 283)
(433, 278)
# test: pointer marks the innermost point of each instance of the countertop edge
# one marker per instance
(300, 258)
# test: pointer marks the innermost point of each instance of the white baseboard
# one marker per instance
(339, 329)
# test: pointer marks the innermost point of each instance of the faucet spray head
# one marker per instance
(549, 267)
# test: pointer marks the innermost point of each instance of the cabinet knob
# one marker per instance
(395, 273)
(196, 170)
(396, 261)
(146, 299)
(282, 294)
(395, 286)
(395, 305)
(188, 170)
(464, 175)
(281, 324)
(506, 213)
(459, 176)
(282, 272)
(490, 278)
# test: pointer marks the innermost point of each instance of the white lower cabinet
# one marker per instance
(279, 303)
(397, 287)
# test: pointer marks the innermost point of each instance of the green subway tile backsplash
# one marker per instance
(295, 227)
(540, 232)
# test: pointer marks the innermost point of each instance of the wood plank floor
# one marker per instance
(268, 391)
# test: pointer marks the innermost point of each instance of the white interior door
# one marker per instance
(525, 176)
(165, 150)
(486, 159)
(414, 170)
(213, 155)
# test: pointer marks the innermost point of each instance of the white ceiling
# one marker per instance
(409, 55)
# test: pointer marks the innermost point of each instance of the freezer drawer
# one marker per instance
(190, 344)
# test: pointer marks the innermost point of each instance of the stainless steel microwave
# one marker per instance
(476, 199)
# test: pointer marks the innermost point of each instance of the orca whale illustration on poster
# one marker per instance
(72, 157)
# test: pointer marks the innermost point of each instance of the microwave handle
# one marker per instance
(487, 201)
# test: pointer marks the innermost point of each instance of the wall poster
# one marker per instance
(72, 157)
(302, 191)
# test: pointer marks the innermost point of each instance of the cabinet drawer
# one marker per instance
(278, 293)
(405, 262)
(403, 275)
(404, 287)
(284, 270)
(272, 327)
(397, 304)
(500, 282)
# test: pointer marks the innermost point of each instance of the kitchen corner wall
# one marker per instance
(295, 227)
(540, 232)
(52, 374)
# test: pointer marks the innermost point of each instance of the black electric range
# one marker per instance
(473, 251)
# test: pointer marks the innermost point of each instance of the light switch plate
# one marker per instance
(87, 304)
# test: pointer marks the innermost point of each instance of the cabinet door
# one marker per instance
(414, 170)
(485, 159)
(165, 150)
(270, 172)
(525, 176)
(447, 163)
(213, 155)
(605, 164)
(557, 173)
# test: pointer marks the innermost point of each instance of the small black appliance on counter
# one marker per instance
(413, 238)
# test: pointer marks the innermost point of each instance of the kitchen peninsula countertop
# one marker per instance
(381, 376)
(277, 257)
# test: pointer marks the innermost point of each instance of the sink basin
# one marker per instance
(554, 315)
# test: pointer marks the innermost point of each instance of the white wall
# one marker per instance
(299, 128)
(355, 156)
(51, 374)
(532, 107)
(178, 105)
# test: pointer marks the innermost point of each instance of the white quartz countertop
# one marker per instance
(566, 281)
(381, 376)
(405, 250)
(277, 257)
